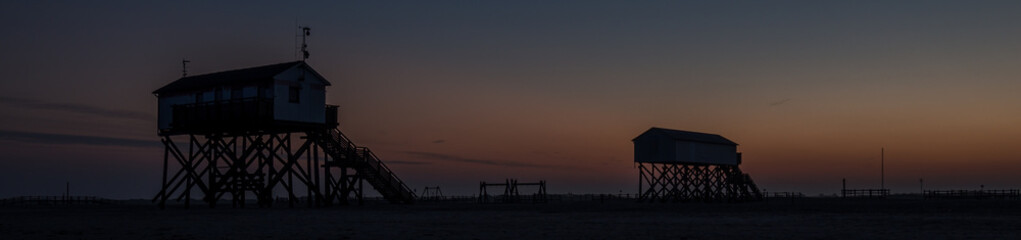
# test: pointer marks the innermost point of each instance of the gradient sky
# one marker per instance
(453, 93)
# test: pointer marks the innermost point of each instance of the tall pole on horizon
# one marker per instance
(882, 168)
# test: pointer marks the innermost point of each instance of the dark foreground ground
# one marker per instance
(809, 218)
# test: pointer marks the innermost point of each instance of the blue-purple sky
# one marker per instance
(453, 93)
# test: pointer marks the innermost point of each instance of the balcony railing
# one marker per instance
(236, 115)
(224, 113)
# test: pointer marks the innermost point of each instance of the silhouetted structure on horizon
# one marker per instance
(511, 193)
(1009, 194)
(679, 165)
(862, 193)
(431, 193)
(258, 129)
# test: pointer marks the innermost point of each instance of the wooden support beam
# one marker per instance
(663, 182)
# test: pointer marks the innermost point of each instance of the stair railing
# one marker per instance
(384, 170)
(365, 156)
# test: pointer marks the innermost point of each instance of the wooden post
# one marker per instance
(843, 189)
(641, 176)
(345, 186)
(188, 177)
(290, 189)
(921, 187)
(308, 173)
(163, 192)
(187, 194)
(315, 157)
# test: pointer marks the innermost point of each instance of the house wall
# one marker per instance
(654, 148)
(165, 110)
(166, 102)
(311, 107)
(646, 150)
(696, 152)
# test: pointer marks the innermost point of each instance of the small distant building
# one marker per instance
(659, 145)
(675, 165)
(284, 96)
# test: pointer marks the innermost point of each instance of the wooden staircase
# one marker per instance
(344, 153)
(743, 185)
(752, 190)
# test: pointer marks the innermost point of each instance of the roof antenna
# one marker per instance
(184, 67)
(304, 45)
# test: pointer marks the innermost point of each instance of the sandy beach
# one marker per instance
(779, 219)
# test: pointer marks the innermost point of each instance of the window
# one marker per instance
(198, 97)
(235, 93)
(264, 92)
(293, 95)
(218, 94)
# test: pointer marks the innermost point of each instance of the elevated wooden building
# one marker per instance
(259, 130)
(677, 165)
(285, 96)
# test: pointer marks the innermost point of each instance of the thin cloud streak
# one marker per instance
(77, 108)
(51, 138)
(400, 162)
(452, 158)
(781, 102)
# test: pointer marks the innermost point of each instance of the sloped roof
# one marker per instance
(233, 77)
(689, 136)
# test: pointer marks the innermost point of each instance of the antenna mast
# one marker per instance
(184, 67)
(882, 168)
(304, 43)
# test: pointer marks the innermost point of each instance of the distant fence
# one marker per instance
(530, 198)
(56, 200)
(448, 199)
(865, 193)
(533, 198)
(592, 197)
(783, 195)
(1010, 194)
